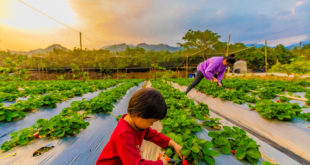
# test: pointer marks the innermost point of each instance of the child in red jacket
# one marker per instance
(145, 107)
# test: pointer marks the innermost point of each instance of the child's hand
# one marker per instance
(176, 147)
(165, 162)
(162, 157)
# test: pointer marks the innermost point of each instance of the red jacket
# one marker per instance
(125, 144)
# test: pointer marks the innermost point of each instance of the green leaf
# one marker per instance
(169, 152)
(185, 152)
(178, 138)
(210, 160)
(195, 148)
(240, 153)
(213, 153)
(220, 141)
(253, 153)
(226, 149)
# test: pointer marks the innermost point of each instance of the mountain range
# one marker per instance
(122, 47)
(154, 47)
(287, 47)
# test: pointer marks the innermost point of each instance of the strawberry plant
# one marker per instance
(212, 122)
(236, 139)
(8, 96)
(268, 163)
(60, 126)
(8, 114)
(196, 150)
(21, 137)
(49, 100)
(281, 111)
(269, 92)
(180, 123)
(308, 96)
(200, 111)
(304, 116)
(284, 99)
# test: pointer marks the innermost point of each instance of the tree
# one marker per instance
(283, 55)
(197, 40)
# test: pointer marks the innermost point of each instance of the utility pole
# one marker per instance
(266, 63)
(228, 45)
(299, 52)
(186, 67)
(116, 68)
(39, 70)
(154, 68)
(81, 54)
(81, 40)
(227, 50)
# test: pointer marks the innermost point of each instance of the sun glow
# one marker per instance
(14, 14)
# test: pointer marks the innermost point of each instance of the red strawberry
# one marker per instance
(184, 162)
(36, 135)
(233, 152)
(277, 100)
(217, 127)
(206, 116)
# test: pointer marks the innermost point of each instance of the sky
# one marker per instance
(106, 22)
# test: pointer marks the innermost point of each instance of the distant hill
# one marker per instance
(255, 45)
(154, 47)
(48, 49)
(287, 47)
(117, 47)
(40, 50)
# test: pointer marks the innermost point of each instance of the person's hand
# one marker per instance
(165, 162)
(215, 80)
(176, 147)
(220, 84)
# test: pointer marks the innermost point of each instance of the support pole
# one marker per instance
(227, 50)
(186, 67)
(266, 62)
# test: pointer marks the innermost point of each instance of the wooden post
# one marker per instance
(155, 68)
(266, 62)
(299, 52)
(228, 45)
(227, 50)
(39, 70)
(81, 55)
(186, 67)
(81, 40)
(116, 68)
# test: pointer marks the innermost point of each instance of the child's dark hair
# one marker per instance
(230, 59)
(147, 103)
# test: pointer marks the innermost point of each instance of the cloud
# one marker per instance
(105, 22)
(286, 41)
(221, 12)
(299, 3)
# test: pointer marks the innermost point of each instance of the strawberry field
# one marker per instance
(69, 122)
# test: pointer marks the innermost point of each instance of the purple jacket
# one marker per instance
(212, 66)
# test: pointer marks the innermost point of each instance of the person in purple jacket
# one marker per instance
(212, 69)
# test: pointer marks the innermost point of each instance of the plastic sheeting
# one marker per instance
(84, 148)
(7, 128)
